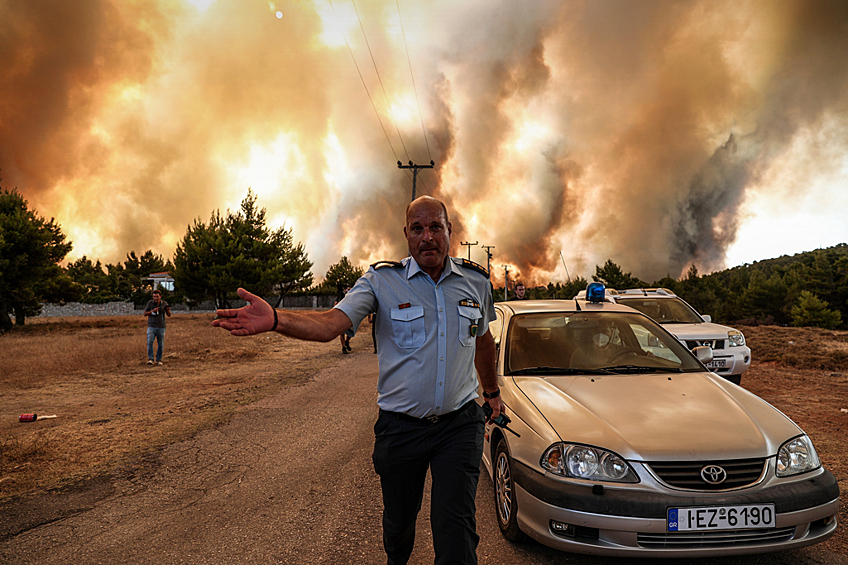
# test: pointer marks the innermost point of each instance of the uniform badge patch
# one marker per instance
(471, 303)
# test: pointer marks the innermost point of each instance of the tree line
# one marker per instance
(237, 249)
(212, 260)
(806, 289)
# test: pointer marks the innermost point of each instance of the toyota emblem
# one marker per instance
(713, 474)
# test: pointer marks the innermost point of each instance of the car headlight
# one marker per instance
(735, 337)
(797, 456)
(585, 462)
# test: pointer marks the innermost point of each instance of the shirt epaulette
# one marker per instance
(379, 264)
(475, 267)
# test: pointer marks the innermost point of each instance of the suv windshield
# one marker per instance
(592, 343)
(663, 310)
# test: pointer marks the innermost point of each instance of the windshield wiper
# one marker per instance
(642, 369)
(677, 322)
(558, 371)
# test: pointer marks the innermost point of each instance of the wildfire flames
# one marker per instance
(606, 129)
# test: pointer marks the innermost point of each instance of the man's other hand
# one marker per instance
(497, 407)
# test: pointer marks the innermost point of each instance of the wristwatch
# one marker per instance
(492, 394)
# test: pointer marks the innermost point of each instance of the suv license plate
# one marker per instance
(716, 364)
(721, 518)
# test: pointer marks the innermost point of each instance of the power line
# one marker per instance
(389, 106)
(361, 78)
(414, 88)
(415, 168)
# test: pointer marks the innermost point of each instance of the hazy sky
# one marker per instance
(656, 134)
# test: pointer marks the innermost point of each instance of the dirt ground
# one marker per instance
(112, 410)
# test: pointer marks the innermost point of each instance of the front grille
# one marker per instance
(687, 474)
(713, 343)
(723, 538)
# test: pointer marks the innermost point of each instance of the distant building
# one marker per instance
(160, 280)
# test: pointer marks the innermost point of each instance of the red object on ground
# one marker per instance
(28, 417)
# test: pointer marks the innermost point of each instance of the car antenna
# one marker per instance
(566, 268)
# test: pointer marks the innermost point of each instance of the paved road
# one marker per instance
(289, 480)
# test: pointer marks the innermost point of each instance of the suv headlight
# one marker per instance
(735, 337)
(585, 462)
(797, 456)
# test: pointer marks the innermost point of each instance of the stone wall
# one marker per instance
(75, 309)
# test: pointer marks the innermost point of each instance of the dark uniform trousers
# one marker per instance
(451, 449)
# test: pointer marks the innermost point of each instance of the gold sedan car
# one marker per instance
(622, 443)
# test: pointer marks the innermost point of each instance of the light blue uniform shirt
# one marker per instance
(426, 333)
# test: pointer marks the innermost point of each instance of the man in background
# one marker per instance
(156, 311)
(519, 291)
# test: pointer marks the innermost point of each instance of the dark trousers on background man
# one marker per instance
(451, 449)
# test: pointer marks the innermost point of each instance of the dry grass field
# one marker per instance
(112, 409)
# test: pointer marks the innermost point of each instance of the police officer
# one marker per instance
(432, 317)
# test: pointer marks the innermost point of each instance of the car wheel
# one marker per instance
(506, 507)
(735, 379)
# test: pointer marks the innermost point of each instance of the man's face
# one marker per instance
(519, 291)
(428, 233)
(157, 297)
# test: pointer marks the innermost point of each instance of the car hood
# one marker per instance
(660, 417)
(704, 330)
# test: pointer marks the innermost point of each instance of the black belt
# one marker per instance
(428, 420)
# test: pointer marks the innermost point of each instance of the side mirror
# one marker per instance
(703, 353)
(707, 318)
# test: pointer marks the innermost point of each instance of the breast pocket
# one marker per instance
(469, 317)
(408, 327)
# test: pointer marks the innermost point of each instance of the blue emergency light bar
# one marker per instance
(595, 292)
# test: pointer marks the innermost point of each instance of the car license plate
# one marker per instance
(721, 518)
(716, 364)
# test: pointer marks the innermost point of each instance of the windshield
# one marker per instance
(592, 343)
(664, 311)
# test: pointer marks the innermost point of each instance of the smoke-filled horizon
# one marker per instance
(562, 131)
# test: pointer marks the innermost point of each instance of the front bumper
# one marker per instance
(736, 360)
(632, 521)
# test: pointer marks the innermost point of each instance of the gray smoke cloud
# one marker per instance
(609, 129)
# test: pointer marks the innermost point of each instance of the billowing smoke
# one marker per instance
(607, 129)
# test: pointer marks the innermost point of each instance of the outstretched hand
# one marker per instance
(256, 317)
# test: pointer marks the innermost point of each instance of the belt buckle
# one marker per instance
(433, 419)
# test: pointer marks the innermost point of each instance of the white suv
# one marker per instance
(731, 357)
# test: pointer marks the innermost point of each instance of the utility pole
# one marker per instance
(506, 283)
(469, 244)
(488, 249)
(415, 169)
